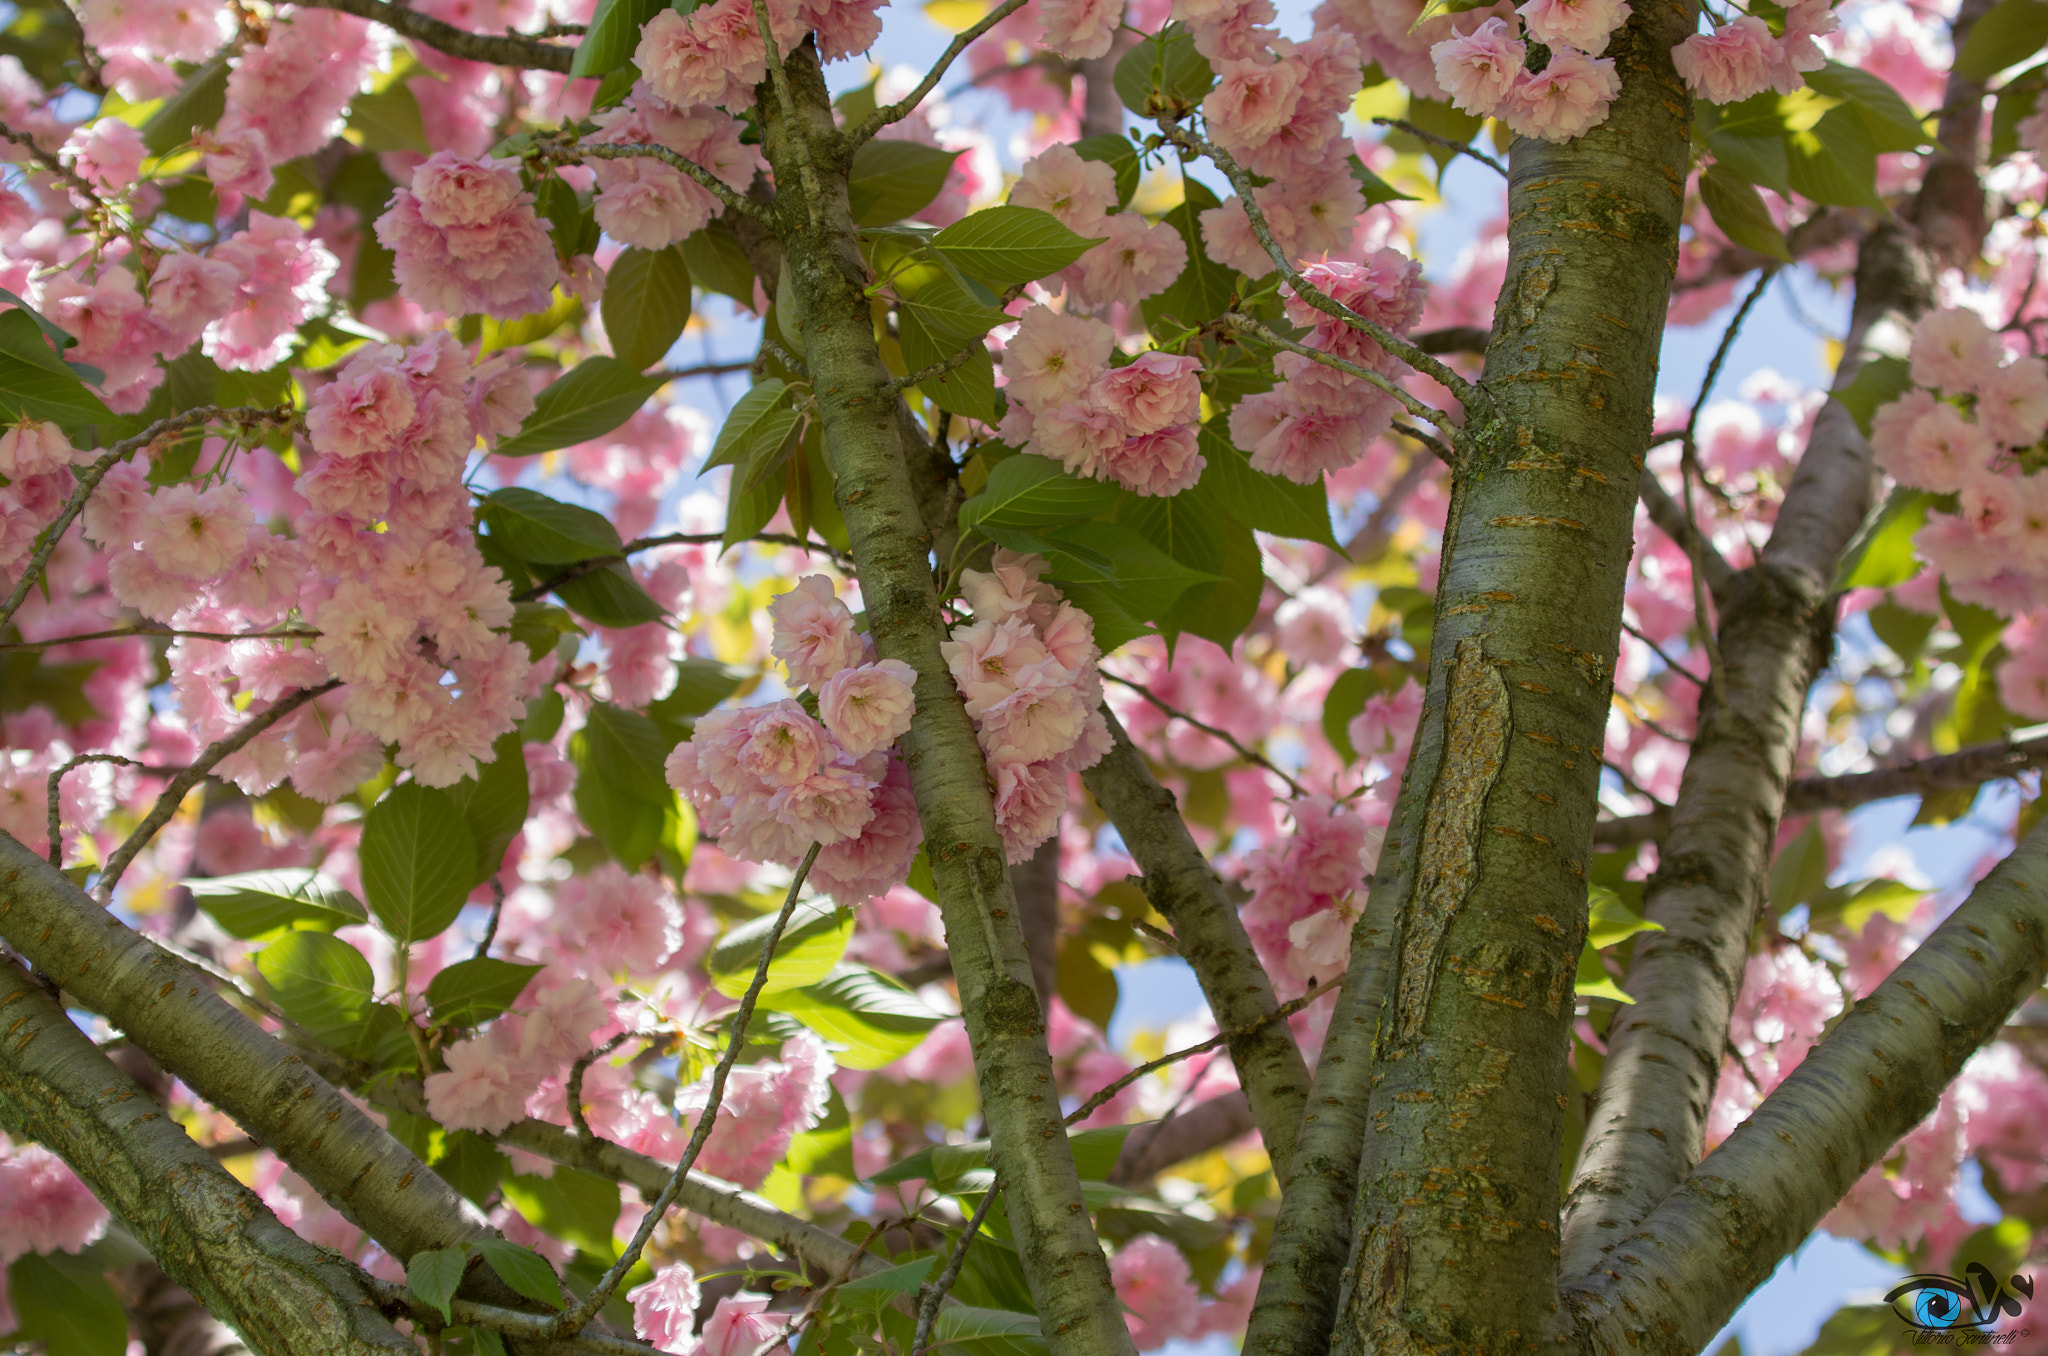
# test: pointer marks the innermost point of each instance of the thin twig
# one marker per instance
(567, 151)
(571, 1321)
(1471, 396)
(782, 355)
(460, 42)
(1458, 147)
(90, 477)
(71, 177)
(1669, 662)
(904, 107)
(1279, 1014)
(582, 1067)
(124, 632)
(937, 369)
(174, 794)
(932, 1293)
(1244, 324)
(708, 370)
(56, 781)
(1634, 788)
(1249, 755)
(483, 948)
(1436, 447)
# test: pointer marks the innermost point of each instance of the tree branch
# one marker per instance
(171, 1011)
(529, 53)
(1456, 147)
(904, 107)
(90, 477)
(1179, 882)
(207, 1231)
(1151, 1149)
(1667, 1286)
(1672, 520)
(1244, 324)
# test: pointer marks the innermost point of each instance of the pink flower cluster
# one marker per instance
(1026, 667)
(1318, 419)
(1135, 425)
(37, 459)
(1741, 58)
(1955, 433)
(1135, 260)
(714, 55)
(765, 1106)
(1483, 70)
(1307, 890)
(1278, 108)
(1157, 1288)
(465, 240)
(286, 98)
(492, 1080)
(768, 781)
(651, 204)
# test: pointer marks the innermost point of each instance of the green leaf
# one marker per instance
(1759, 159)
(949, 311)
(546, 531)
(1146, 580)
(2016, 100)
(522, 1269)
(897, 1280)
(718, 264)
(45, 391)
(610, 597)
(700, 685)
(434, 1273)
(625, 749)
(198, 103)
(987, 1332)
(748, 511)
(826, 1149)
(388, 120)
(494, 803)
(1259, 500)
(257, 905)
(1203, 290)
(1593, 981)
(1890, 122)
(1031, 491)
(1610, 922)
(1004, 246)
(892, 179)
(969, 388)
(646, 304)
(67, 1305)
(418, 861)
(1836, 161)
(874, 1018)
(810, 946)
(2008, 34)
(1878, 382)
(1163, 75)
(1738, 209)
(1882, 553)
(760, 424)
(557, 204)
(1115, 151)
(320, 982)
(1376, 189)
(613, 34)
(1346, 699)
(590, 400)
(474, 991)
(576, 1207)
(1194, 530)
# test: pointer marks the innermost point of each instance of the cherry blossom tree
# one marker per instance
(507, 844)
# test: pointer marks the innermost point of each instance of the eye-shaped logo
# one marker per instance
(1937, 1303)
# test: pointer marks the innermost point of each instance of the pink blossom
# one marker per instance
(1029, 800)
(714, 56)
(665, 1308)
(555, 1027)
(1314, 625)
(482, 1088)
(1952, 351)
(827, 806)
(1080, 29)
(113, 515)
(1039, 718)
(741, 1326)
(879, 858)
(196, 535)
(869, 707)
(1161, 463)
(364, 409)
(1935, 452)
(1252, 101)
(784, 745)
(2012, 401)
(1478, 69)
(766, 1104)
(1054, 358)
(1153, 1280)
(1730, 64)
(109, 153)
(46, 1208)
(188, 291)
(1568, 98)
(813, 632)
(1079, 435)
(283, 276)
(1583, 24)
(1076, 191)
(32, 449)
(988, 656)
(1797, 50)
(1135, 260)
(1011, 585)
(466, 241)
(1155, 391)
